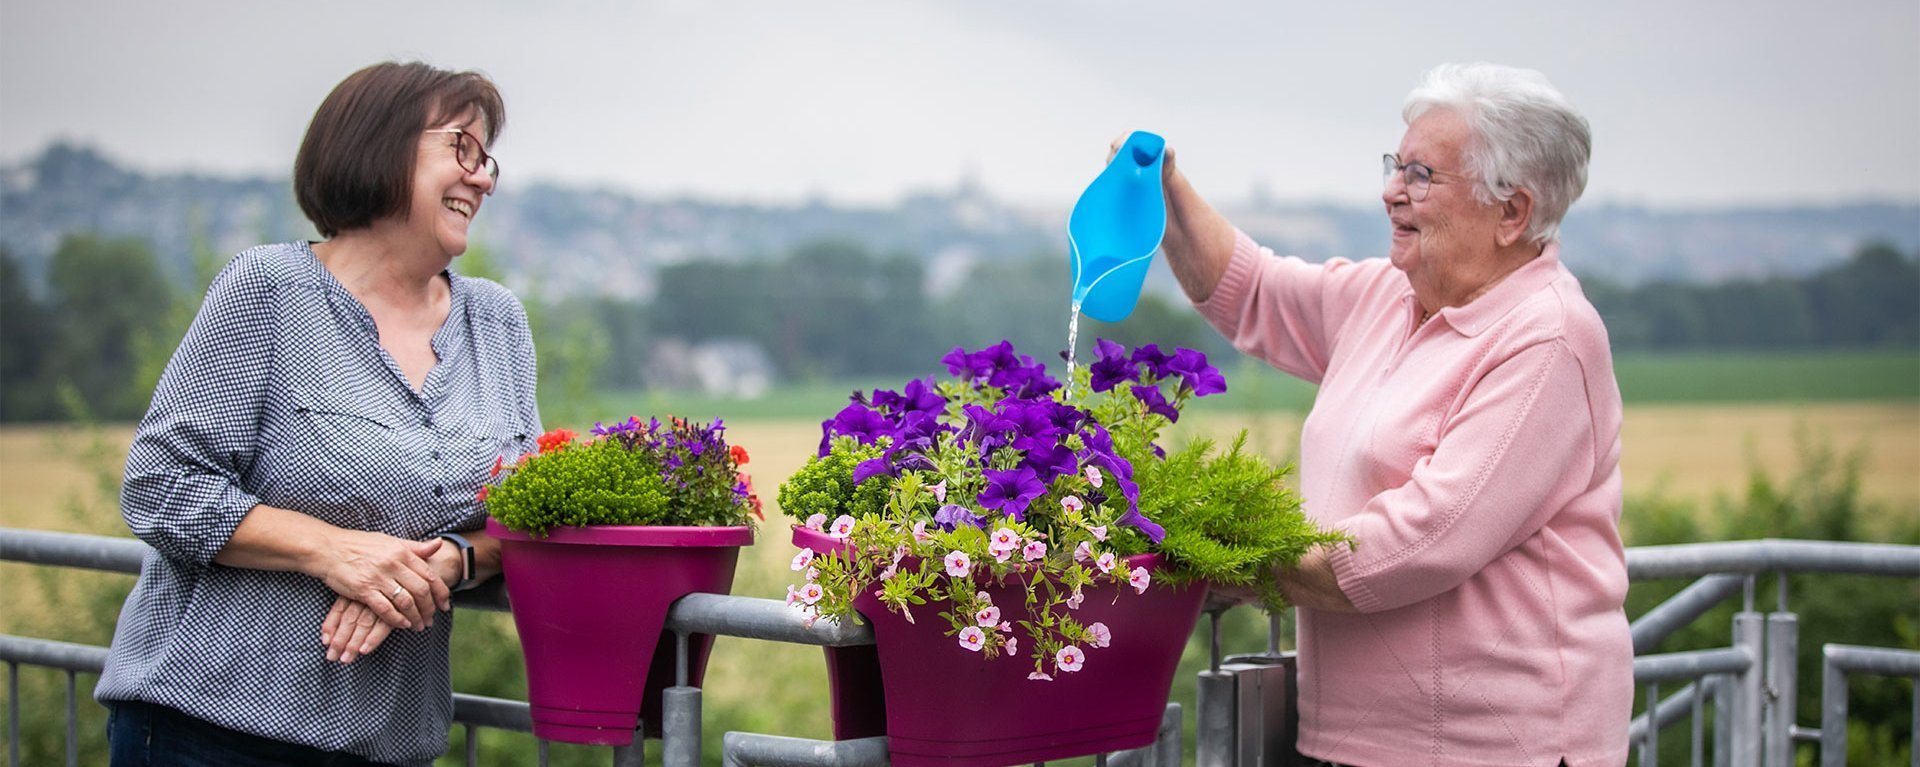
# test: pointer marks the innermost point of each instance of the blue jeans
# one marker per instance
(145, 735)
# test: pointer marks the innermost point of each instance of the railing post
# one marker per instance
(1833, 713)
(1213, 708)
(1783, 687)
(680, 714)
(1723, 721)
(1750, 637)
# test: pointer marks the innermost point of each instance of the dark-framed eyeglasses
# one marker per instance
(471, 155)
(1418, 176)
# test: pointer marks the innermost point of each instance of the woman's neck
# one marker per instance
(373, 264)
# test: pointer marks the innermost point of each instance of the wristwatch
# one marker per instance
(466, 559)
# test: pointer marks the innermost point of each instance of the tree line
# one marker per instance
(93, 342)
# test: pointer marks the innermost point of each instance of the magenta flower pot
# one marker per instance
(591, 605)
(941, 704)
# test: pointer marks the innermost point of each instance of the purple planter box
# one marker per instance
(591, 605)
(941, 704)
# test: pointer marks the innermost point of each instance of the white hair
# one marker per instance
(1525, 135)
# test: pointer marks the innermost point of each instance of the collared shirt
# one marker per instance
(1475, 459)
(281, 394)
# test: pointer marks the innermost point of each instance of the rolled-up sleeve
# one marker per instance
(182, 492)
(1519, 449)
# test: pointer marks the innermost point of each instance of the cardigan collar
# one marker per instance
(1481, 313)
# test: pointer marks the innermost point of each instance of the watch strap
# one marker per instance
(466, 558)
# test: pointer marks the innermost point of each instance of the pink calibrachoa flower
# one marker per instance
(1073, 602)
(1003, 539)
(1072, 503)
(1104, 562)
(793, 595)
(1094, 478)
(817, 522)
(1102, 636)
(1002, 555)
(802, 559)
(1139, 578)
(1069, 658)
(973, 638)
(988, 616)
(940, 491)
(1083, 552)
(958, 565)
(920, 531)
(812, 593)
(842, 527)
(1006, 627)
(1013, 645)
(1099, 532)
(1034, 550)
(1039, 677)
(813, 573)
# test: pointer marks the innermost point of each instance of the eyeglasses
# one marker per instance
(1417, 175)
(470, 154)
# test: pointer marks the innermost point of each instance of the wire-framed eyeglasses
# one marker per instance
(471, 155)
(1417, 175)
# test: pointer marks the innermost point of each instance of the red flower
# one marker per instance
(739, 455)
(556, 439)
(483, 492)
(499, 464)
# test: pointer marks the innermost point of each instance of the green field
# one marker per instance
(1646, 378)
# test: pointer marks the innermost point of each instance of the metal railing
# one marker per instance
(1753, 683)
(711, 614)
(1245, 707)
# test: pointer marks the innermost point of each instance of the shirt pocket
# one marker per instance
(352, 469)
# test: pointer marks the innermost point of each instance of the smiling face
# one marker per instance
(1446, 243)
(447, 196)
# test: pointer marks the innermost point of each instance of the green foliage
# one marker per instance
(1872, 301)
(1229, 516)
(825, 485)
(107, 316)
(676, 474)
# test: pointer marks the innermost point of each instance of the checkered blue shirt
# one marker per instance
(281, 394)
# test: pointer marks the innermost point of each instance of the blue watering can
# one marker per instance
(1114, 229)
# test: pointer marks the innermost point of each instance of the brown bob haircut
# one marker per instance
(356, 163)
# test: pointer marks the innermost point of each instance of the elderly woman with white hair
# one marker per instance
(1466, 434)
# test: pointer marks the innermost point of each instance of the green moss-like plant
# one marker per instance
(631, 474)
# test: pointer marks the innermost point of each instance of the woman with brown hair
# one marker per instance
(308, 469)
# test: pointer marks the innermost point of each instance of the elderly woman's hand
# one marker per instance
(351, 629)
(1166, 167)
(390, 576)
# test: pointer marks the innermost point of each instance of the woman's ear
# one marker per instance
(1515, 214)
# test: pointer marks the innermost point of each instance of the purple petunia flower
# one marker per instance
(1156, 402)
(1010, 491)
(950, 516)
(1112, 368)
(1195, 374)
(1155, 360)
(858, 421)
(916, 397)
(1050, 461)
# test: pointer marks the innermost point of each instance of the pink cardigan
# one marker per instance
(1476, 460)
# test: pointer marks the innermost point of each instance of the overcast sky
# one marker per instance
(1692, 103)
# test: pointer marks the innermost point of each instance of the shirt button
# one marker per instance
(439, 490)
(436, 455)
(426, 421)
